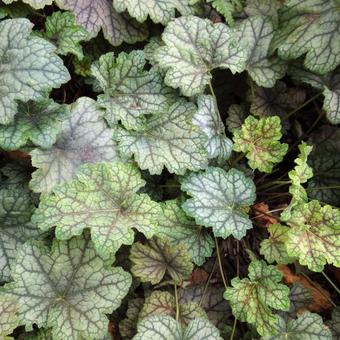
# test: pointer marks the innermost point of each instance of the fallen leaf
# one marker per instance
(261, 215)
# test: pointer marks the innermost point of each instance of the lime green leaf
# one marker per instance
(168, 139)
(100, 14)
(255, 35)
(28, 67)
(236, 116)
(62, 30)
(175, 225)
(103, 198)
(310, 27)
(8, 316)
(159, 257)
(128, 326)
(252, 299)
(84, 138)
(208, 119)
(314, 236)
(160, 11)
(164, 327)
(38, 122)
(164, 303)
(308, 326)
(329, 84)
(37, 4)
(193, 48)
(274, 248)
(259, 139)
(129, 91)
(16, 209)
(68, 289)
(220, 200)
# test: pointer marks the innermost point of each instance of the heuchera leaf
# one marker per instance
(28, 66)
(208, 119)
(263, 7)
(167, 139)
(255, 35)
(220, 200)
(274, 248)
(103, 198)
(68, 288)
(128, 326)
(94, 15)
(129, 91)
(236, 117)
(314, 236)
(62, 30)
(227, 8)
(259, 139)
(16, 209)
(84, 138)
(164, 327)
(310, 27)
(334, 324)
(160, 11)
(37, 4)
(193, 48)
(175, 225)
(164, 303)
(299, 297)
(150, 262)
(8, 317)
(306, 326)
(252, 299)
(329, 84)
(36, 121)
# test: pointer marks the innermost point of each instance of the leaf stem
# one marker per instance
(212, 90)
(177, 303)
(331, 282)
(301, 106)
(224, 279)
(233, 330)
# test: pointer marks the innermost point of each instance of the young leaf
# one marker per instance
(28, 66)
(252, 299)
(227, 8)
(16, 209)
(314, 236)
(160, 11)
(36, 121)
(255, 35)
(310, 27)
(8, 317)
(260, 140)
(306, 326)
(175, 225)
(164, 303)
(84, 138)
(129, 91)
(164, 327)
(208, 119)
(193, 48)
(100, 14)
(167, 139)
(274, 248)
(220, 200)
(103, 198)
(62, 30)
(37, 4)
(159, 257)
(68, 288)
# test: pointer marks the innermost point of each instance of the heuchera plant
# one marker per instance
(170, 169)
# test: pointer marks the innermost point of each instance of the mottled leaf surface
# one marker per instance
(150, 262)
(38, 122)
(84, 138)
(68, 288)
(252, 299)
(37, 4)
(28, 66)
(100, 14)
(259, 139)
(175, 225)
(8, 317)
(103, 198)
(220, 200)
(193, 48)
(129, 91)
(167, 139)
(128, 326)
